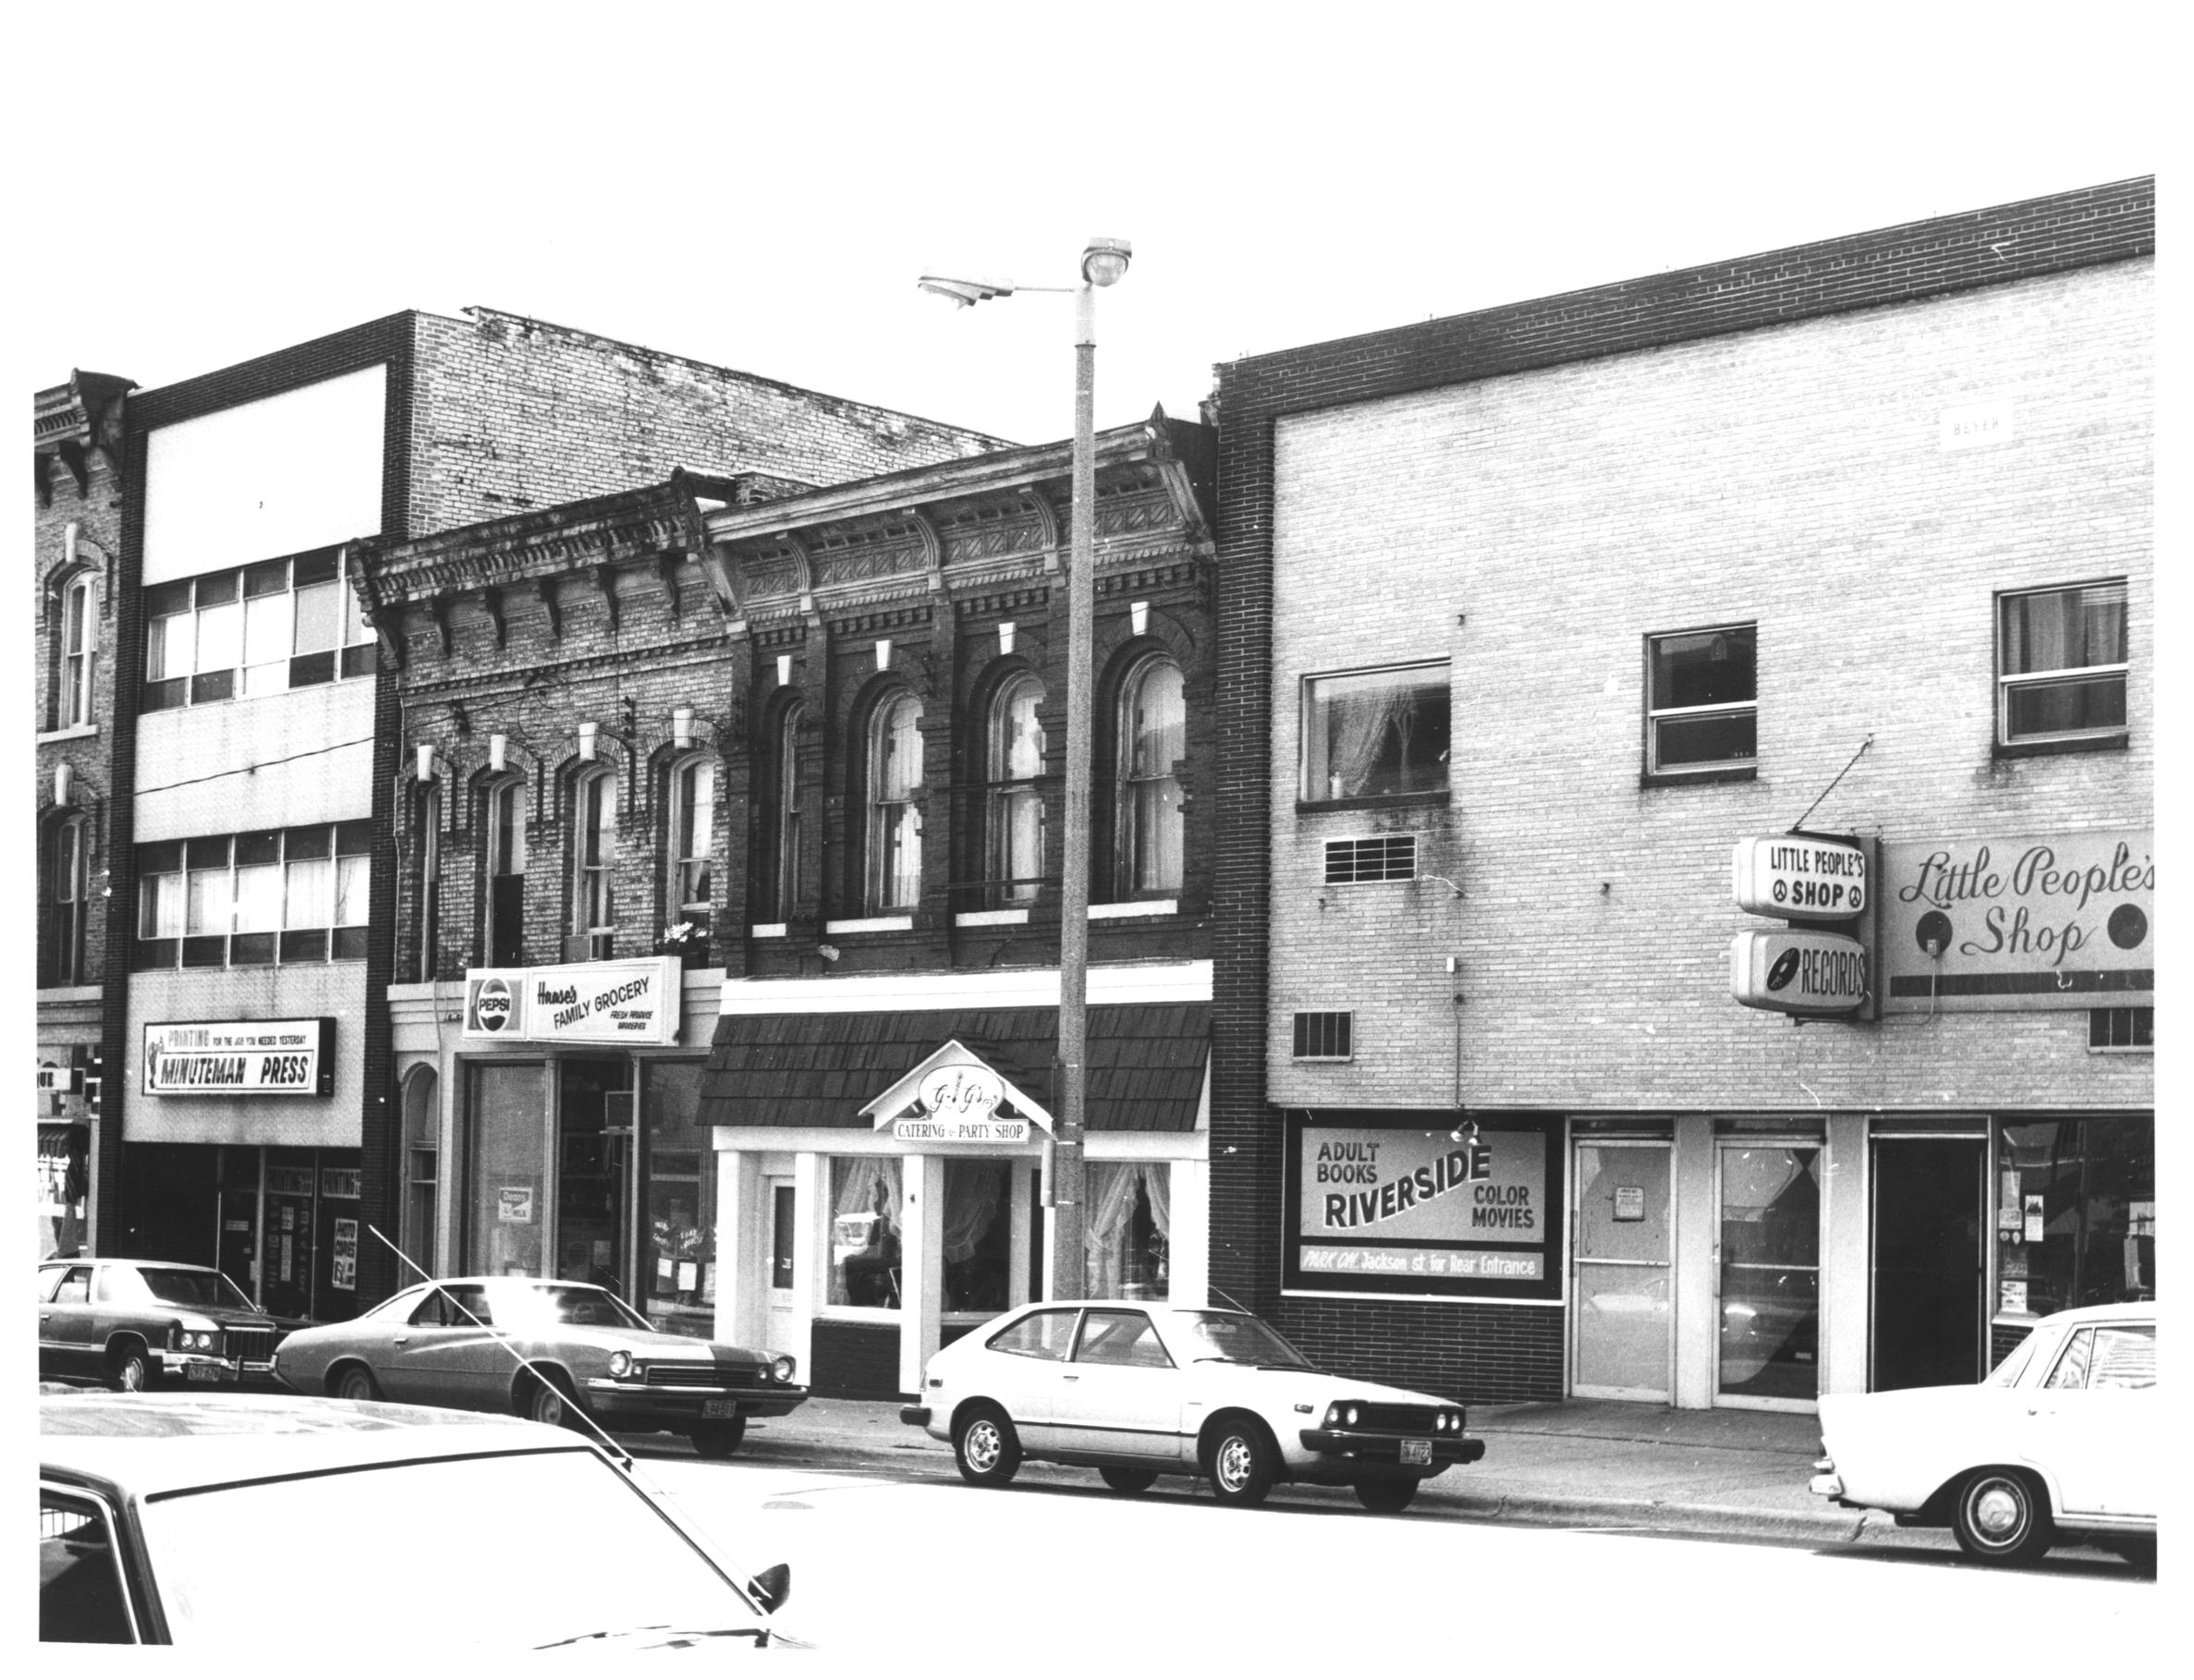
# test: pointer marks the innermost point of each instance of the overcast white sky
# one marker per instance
(758, 187)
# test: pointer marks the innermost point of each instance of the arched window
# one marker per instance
(429, 879)
(895, 817)
(781, 820)
(506, 940)
(1014, 820)
(79, 642)
(1152, 740)
(423, 1156)
(68, 890)
(692, 841)
(594, 862)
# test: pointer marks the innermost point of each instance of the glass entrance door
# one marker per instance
(595, 1173)
(1625, 1319)
(1930, 1284)
(1769, 1254)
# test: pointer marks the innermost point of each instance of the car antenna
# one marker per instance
(1228, 1299)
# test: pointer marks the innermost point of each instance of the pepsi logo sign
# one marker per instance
(490, 1004)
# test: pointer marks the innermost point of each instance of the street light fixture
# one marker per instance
(1103, 262)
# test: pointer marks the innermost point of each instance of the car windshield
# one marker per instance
(2008, 1374)
(512, 1551)
(534, 1304)
(179, 1287)
(1235, 1338)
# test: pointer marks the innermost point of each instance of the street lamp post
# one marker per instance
(1103, 262)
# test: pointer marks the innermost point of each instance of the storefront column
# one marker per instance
(922, 1260)
(1697, 1237)
(811, 1269)
(1189, 1243)
(741, 1282)
(1844, 1262)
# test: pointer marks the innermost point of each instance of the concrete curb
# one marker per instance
(1553, 1510)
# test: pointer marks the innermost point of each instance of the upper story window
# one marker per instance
(895, 810)
(292, 895)
(1372, 734)
(256, 629)
(67, 871)
(506, 823)
(595, 861)
(783, 821)
(692, 840)
(79, 643)
(1016, 815)
(2061, 665)
(429, 879)
(1152, 742)
(1702, 700)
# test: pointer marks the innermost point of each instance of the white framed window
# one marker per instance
(257, 629)
(692, 840)
(1702, 700)
(594, 860)
(1372, 735)
(288, 895)
(1152, 742)
(80, 646)
(2061, 664)
(506, 824)
(1015, 819)
(895, 810)
(67, 892)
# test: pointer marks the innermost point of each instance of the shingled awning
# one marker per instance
(1146, 1062)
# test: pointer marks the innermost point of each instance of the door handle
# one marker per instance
(1068, 1377)
(398, 1340)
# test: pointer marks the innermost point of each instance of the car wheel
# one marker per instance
(985, 1447)
(2002, 1517)
(1387, 1495)
(1243, 1463)
(131, 1368)
(548, 1402)
(1123, 1480)
(356, 1383)
(719, 1440)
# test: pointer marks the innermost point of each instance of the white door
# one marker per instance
(781, 1209)
(2093, 1424)
(1625, 1316)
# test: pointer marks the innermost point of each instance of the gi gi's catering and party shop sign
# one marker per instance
(2034, 922)
(636, 1001)
(1400, 1206)
(240, 1058)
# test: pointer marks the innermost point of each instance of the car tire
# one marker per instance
(355, 1382)
(1386, 1495)
(2002, 1517)
(130, 1369)
(985, 1447)
(1242, 1462)
(548, 1401)
(719, 1440)
(1122, 1479)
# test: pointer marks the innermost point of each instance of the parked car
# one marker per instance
(252, 1526)
(136, 1323)
(2065, 1440)
(451, 1342)
(1139, 1390)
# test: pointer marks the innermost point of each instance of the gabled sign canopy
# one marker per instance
(953, 1096)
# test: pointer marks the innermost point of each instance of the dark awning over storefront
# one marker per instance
(1145, 1062)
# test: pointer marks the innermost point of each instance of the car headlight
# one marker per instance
(1351, 1416)
(1332, 1415)
(783, 1366)
(620, 1364)
(205, 1338)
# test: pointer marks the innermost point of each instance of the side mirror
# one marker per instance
(771, 1587)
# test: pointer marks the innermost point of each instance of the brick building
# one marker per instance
(253, 739)
(1530, 619)
(76, 455)
(732, 816)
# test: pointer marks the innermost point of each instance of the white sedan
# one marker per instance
(1136, 1390)
(2064, 1438)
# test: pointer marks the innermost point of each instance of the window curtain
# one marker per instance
(1114, 1184)
(1356, 729)
(972, 1191)
(866, 1183)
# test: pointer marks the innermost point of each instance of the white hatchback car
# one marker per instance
(1138, 1389)
(2063, 1438)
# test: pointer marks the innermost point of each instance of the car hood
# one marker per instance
(1311, 1389)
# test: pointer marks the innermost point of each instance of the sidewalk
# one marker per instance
(1591, 1463)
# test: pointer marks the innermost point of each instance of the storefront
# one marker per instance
(879, 1170)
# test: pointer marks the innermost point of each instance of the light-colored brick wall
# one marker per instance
(1535, 527)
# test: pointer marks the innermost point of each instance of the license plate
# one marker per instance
(1417, 1452)
(207, 1373)
(719, 1408)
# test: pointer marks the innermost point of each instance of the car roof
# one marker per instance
(2117, 1312)
(115, 1260)
(145, 1444)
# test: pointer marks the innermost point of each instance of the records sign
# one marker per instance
(240, 1058)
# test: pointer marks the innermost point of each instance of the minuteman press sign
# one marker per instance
(636, 1001)
(240, 1058)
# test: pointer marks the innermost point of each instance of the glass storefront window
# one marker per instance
(1127, 1238)
(1771, 1271)
(978, 1236)
(864, 1240)
(678, 1281)
(507, 1206)
(2076, 1214)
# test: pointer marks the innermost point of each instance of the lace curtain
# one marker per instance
(972, 1191)
(1107, 1265)
(1356, 729)
(866, 1201)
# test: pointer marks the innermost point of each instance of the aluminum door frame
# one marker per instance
(1588, 1391)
